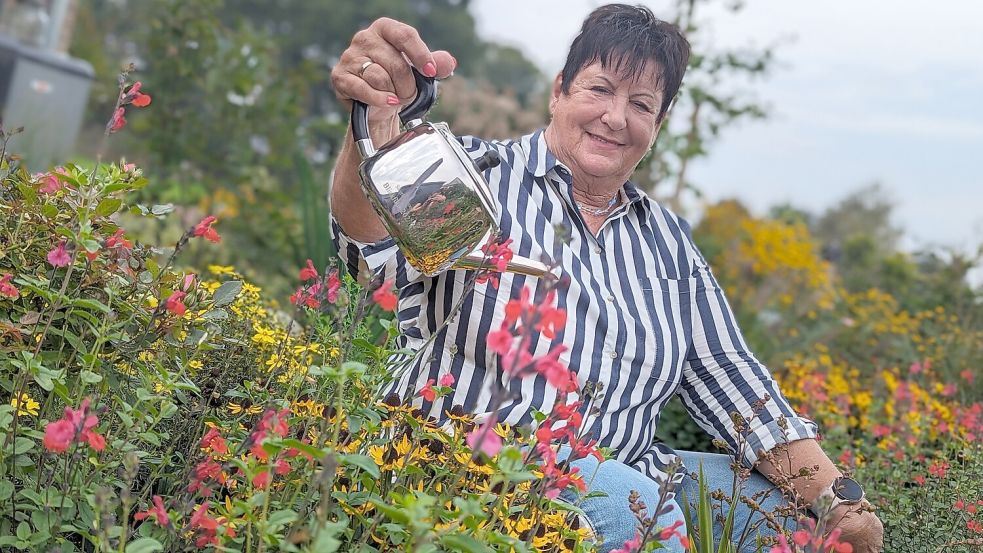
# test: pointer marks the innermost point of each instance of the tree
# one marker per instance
(708, 103)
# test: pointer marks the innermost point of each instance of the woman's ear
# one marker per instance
(557, 90)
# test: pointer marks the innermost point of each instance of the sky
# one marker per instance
(864, 91)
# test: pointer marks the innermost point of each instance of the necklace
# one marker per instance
(596, 211)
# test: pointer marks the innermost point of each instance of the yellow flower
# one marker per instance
(194, 364)
(221, 270)
(237, 408)
(25, 406)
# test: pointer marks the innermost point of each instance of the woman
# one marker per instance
(646, 319)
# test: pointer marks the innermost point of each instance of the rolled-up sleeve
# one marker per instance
(721, 376)
(375, 258)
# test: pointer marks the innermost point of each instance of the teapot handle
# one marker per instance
(426, 96)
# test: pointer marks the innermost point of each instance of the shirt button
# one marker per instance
(610, 298)
(597, 249)
(614, 355)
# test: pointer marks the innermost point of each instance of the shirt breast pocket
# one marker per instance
(666, 314)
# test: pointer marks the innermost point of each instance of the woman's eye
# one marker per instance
(599, 89)
(643, 106)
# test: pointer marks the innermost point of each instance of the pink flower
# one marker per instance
(308, 272)
(334, 284)
(58, 436)
(631, 546)
(500, 341)
(384, 297)
(117, 240)
(447, 380)
(157, 512)
(174, 303)
(485, 440)
(214, 441)
(556, 373)
(782, 546)
(967, 375)
(915, 368)
(58, 257)
(204, 228)
(427, 392)
(262, 479)
(118, 121)
(50, 183)
(135, 97)
(667, 533)
(6, 288)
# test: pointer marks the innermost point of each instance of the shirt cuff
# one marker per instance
(764, 436)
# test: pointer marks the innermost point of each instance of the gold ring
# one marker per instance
(364, 67)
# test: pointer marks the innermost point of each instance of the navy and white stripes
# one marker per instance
(645, 317)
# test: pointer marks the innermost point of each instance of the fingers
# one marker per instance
(407, 40)
(446, 63)
(392, 47)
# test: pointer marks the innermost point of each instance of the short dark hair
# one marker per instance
(625, 38)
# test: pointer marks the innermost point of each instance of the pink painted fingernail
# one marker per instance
(392, 100)
(430, 69)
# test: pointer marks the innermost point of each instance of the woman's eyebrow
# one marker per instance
(611, 84)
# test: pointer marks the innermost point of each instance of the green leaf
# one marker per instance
(23, 531)
(281, 518)
(216, 315)
(90, 377)
(306, 448)
(6, 489)
(227, 293)
(94, 305)
(363, 462)
(461, 542)
(160, 210)
(108, 206)
(144, 545)
(23, 445)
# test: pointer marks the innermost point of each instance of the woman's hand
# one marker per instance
(376, 67)
(860, 528)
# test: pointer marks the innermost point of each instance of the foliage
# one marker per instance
(894, 389)
(151, 409)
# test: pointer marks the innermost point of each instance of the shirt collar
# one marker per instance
(540, 161)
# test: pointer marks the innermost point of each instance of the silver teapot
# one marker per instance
(428, 192)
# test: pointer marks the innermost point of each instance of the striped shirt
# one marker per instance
(645, 317)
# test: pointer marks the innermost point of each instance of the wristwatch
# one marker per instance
(843, 491)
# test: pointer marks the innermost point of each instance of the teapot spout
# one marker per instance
(518, 265)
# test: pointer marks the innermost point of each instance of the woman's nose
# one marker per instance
(615, 116)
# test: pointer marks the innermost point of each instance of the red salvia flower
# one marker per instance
(308, 272)
(384, 297)
(7, 289)
(157, 512)
(174, 303)
(427, 392)
(204, 229)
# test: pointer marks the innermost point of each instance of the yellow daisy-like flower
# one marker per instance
(25, 405)
(237, 408)
(221, 270)
(195, 364)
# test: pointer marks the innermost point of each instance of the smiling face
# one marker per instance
(603, 127)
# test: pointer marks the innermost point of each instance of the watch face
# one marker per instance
(848, 489)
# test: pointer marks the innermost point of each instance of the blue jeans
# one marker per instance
(614, 523)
